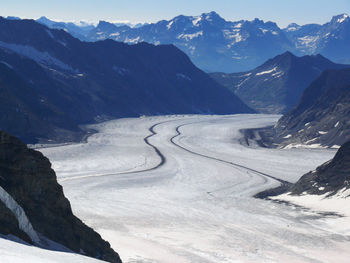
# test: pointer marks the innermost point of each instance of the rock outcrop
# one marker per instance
(26, 176)
(322, 116)
(330, 177)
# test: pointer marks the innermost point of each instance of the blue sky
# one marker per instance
(281, 11)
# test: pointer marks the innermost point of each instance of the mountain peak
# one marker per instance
(340, 18)
(44, 20)
(287, 54)
(13, 18)
(103, 25)
(319, 56)
(212, 16)
(292, 27)
(257, 21)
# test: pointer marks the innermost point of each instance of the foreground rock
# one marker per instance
(331, 179)
(34, 208)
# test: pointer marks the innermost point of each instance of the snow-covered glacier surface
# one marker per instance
(179, 189)
(16, 252)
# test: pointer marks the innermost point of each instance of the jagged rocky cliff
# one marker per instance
(330, 177)
(34, 208)
(322, 116)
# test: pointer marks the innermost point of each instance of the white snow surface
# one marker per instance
(235, 35)
(6, 64)
(190, 36)
(266, 72)
(196, 20)
(169, 25)
(196, 205)
(337, 203)
(309, 42)
(23, 222)
(36, 55)
(342, 19)
(13, 252)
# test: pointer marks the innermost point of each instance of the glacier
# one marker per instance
(180, 189)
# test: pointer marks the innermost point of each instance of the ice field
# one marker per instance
(179, 189)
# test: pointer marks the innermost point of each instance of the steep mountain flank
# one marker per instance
(277, 85)
(55, 82)
(331, 177)
(34, 208)
(322, 117)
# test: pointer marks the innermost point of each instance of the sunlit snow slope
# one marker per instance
(179, 189)
(13, 252)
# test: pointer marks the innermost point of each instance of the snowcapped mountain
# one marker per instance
(34, 210)
(322, 116)
(78, 30)
(217, 45)
(52, 82)
(212, 43)
(331, 39)
(277, 85)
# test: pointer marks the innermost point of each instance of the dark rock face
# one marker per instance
(277, 85)
(9, 224)
(323, 114)
(327, 178)
(27, 176)
(55, 82)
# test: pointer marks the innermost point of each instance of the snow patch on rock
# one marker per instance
(36, 55)
(6, 64)
(190, 36)
(23, 221)
(266, 72)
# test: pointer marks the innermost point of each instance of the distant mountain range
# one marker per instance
(50, 82)
(322, 117)
(277, 85)
(217, 45)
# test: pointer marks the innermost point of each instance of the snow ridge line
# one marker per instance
(23, 221)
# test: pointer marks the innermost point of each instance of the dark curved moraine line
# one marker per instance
(283, 182)
(146, 140)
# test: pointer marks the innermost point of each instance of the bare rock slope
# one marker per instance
(27, 180)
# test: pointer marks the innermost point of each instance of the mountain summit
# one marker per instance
(217, 45)
(211, 42)
(277, 85)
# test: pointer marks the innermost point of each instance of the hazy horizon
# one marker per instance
(137, 11)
